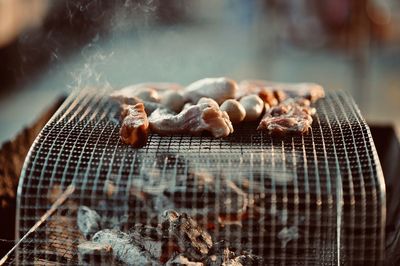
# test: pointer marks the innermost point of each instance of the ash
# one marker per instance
(177, 240)
(88, 221)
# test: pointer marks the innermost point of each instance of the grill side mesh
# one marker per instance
(317, 198)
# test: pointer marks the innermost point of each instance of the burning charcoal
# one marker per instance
(124, 248)
(288, 234)
(244, 260)
(219, 254)
(150, 238)
(95, 253)
(182, 260)
(88, 221)
(192, 240)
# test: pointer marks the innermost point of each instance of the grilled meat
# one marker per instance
(289, 117)
(193, 120)
(143, 93)
(234, 109)
(256, 87)
(310, 91)
(209, 101)
(149, 107)
(253, 105)
(219, 89)
(173, 100)
(134, 128)
(151, 92)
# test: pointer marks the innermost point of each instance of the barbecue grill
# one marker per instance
(296, 200)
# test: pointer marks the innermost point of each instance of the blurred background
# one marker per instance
(48, 48)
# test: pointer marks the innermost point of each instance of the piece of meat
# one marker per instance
(149, 107)
(144, 93)
(160, 87)
(289, 117)
(268, 94)
(172, 100)
(192, 120)
(254, 106)
(88, 221)
(218, 89)
(135, 125)
(310, 91)
(124, 248)
(193, 241)
(234, 109)
(210, 101)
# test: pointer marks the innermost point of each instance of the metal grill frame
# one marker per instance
(320, 178)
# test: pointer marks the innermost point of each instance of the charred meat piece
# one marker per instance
(289, 117)
(193, 241)
(193, 121)
(149, 107)
(143, 93)
(310, 91)
(135, 126)
(150, 92)
(88, 221)
(218, 89)
(124, 248)
(91, 253)
(268, 94)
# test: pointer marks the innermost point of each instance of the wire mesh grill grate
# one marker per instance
(316, 199)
